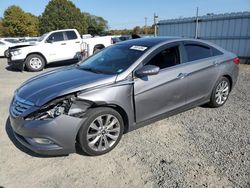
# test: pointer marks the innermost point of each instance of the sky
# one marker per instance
(130, 13)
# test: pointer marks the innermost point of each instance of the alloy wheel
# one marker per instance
(103, 132)
(222, 92)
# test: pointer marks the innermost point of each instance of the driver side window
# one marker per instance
(56, 37)
(166, 58)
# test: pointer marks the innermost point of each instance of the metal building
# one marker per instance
(230, 31)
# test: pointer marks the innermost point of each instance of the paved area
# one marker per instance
(201, 147)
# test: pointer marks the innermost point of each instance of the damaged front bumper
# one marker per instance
(16, 64)
(48, 134)
(49, 137)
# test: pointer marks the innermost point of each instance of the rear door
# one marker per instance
(202, 70)
(73, 43)
(164, 92)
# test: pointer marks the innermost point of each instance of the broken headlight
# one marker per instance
(51, 110)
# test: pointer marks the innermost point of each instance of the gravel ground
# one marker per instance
(201, 147)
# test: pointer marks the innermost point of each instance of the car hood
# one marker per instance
(47, 86)
(24, 44)
(20, 46)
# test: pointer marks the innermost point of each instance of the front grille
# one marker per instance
(19, 106)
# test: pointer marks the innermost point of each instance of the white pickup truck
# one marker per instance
(59, 45)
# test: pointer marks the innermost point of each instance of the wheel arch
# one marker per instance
(99, 46)
(124, 115)
(120, 110)
(37, 53)
(230, 80)
(115, 107)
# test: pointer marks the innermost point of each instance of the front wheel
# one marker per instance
(101, 132)
(220, 93)
(34, 63)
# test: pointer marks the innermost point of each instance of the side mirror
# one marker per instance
(147, 70)
(50, 40)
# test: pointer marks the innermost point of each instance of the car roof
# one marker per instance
(153, 41)
(148, 42)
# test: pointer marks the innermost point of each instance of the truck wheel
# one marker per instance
(34, 63)
(6, 53)
(98, 48)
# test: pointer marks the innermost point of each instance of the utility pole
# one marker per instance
(155, 26)
(146, 29)
(197, 23)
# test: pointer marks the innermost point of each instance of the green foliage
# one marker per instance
(96, 24)
(58, 14)
(16, 22)
(136, 30)
(121, 32)
(62, 14)
(1, 28)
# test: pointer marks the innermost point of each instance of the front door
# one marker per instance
(56, 48)
(164, 92)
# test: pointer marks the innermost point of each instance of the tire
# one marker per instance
(98, 48)
(6, 53)
(34, 63)
(222, 89)
(95, 139)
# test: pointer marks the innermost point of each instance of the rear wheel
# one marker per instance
(220, 93)
(98, 48)
(101, 132)
(34, 63)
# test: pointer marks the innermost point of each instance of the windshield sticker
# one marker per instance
(140, 48)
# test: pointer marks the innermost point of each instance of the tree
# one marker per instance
(16, 22)
(62, 14)
(1, 28)
(137, 30)
(96, 24)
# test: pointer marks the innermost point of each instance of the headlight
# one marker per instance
(52, 110)
(16, 52)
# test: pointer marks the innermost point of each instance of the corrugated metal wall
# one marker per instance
(230, 31)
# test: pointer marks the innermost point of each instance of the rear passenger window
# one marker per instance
(196, 52)
(166, 58)
(71, 35)
(216, 52)
(56, 37)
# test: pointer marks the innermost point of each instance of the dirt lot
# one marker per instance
(199, 148)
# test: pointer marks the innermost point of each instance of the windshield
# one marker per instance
(42, 37)
(113, 60)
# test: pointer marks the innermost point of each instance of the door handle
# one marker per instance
(77, 42)
(182, 75)
(63, 43)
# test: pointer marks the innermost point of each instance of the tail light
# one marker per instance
(236, 60)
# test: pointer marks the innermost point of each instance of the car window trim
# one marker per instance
(164, 46)
(196, 43)
(66, 36)
(200, 44)
(57, 32)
